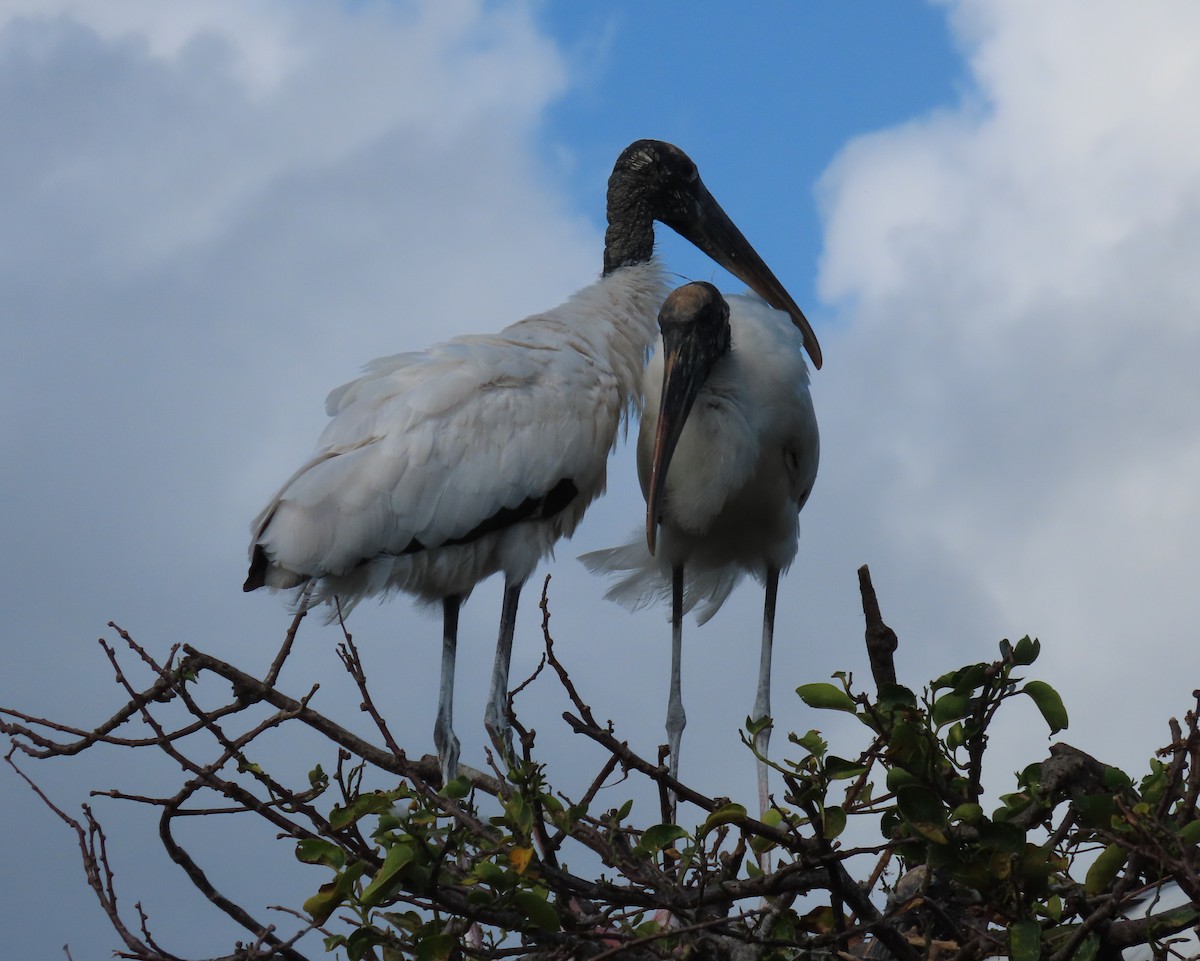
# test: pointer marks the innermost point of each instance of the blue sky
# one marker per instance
(789, 83)
(215, 213)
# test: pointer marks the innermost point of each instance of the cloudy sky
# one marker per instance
(214, 213)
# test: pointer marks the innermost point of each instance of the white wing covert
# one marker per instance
(424, 448)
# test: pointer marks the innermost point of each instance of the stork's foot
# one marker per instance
(761, 741)
(675, 739)
(676, 721)
(446, 742)
(500, 732)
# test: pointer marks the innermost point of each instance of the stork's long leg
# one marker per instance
(762, 700)
(495, 719)
(676, 719)
(443, 731)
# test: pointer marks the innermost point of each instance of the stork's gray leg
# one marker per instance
(443, 730)
(762, 700)
(495, 718)
(676, 719)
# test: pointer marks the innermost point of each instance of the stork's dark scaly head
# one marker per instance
(651, 181)
(694, 321)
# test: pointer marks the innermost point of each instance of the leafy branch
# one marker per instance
(879, 846)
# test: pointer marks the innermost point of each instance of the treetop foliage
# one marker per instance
(881, 846)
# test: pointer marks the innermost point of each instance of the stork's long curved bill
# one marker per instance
(709, 228)
(684, 373)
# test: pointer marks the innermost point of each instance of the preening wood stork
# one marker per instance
(442, 467)
(727, 455)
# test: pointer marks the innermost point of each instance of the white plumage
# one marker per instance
(730, 489)
(474, 457)
(744, 466)
(540, 402)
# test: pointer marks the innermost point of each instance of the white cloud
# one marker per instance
(214, 213)
(1017, 276)
(257, 32)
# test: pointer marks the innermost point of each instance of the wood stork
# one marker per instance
(442, 467)
(727, 455)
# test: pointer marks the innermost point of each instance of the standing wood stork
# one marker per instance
(727, 455)
(442, 467)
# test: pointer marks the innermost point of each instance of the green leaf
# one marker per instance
(753, 727)
(1013, 803)
(771, 817)
(897, 778)
(539, 912)
(825, 697)
(1089, 949)
(1035, 866)
(1026, 651)
(658, 836)
(970, 678)
(1105, 869)
(761, 845)
(1024, 941)
(908, 743)
(1001, 836)
(361, 941)
(322, 904)
(458, 787)
(950, 707)
(946, 680)
(1172, 920)
(811, 742)
(820, 920)
(489, 872)
(967, 813)
(435, 947)
(408, 921)
(833, 821)
(1096, 810)
(1190, 833)
(1030, 775)
(923, 810)
(387, 877)
(374, 803)
(1115, 779)
(964, 680)
(729, 814)
(623, 811)
(838, 768)
(318, 851)
(893, 696)
(930, 831)
(1049, 703)
(332, 894)
(520, 813)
